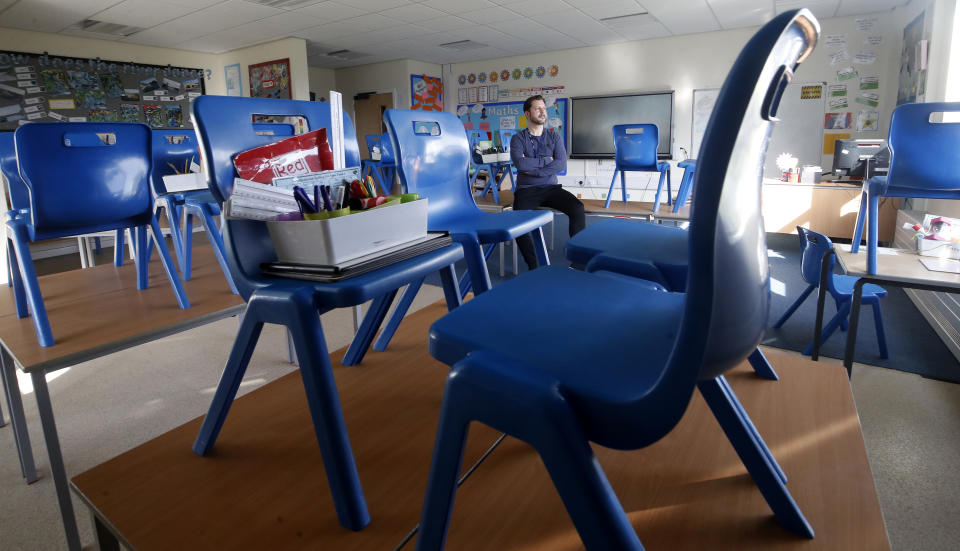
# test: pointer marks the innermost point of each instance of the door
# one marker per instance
(369, 110)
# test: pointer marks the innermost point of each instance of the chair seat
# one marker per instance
(844, 286)
(493, 227)
(371, 285)
(664, 246)
(638, 326)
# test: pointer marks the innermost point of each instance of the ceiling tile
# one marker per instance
(692, 16)
(446, 23)
(290, 22)
(372, 6)
(230, 14)
(537, 8)
(644, 32)
(489, 15)
(330, 11)
(142, 13)
(458, 6)
(858, 7)
(400, 31)
(612, 8)
(195, 4)
(822, 9)
(559, 41)
(51, 15)
(367, 23)
(413, 13)
(732, 14)
(327, 33)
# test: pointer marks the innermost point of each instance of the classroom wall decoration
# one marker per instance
(233, 80)
(42, 87)
(271, 79)
(426, 93)
(913, 62)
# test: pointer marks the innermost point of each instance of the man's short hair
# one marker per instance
(529, 102)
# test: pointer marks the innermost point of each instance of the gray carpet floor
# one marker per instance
(107, 406)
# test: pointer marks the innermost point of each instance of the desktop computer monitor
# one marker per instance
(850, 156)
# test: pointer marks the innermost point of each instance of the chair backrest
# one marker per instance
(727, 300)
(386, 150)
(635, 146)
(505, 137)
(924, 154)
(432, 156)
(17, 190)
(224, 128)
(172, 149)
(85, 176)
(814, 245)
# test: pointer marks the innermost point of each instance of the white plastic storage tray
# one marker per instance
(337, 240)
(939, 249)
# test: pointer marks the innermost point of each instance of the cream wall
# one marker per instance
(294, 49)
(390, 76)
(322, 81)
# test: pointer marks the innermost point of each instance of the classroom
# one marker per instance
(360, 330)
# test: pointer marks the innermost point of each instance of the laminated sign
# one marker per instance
(303, 154)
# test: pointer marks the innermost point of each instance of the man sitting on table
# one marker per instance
(539, 156)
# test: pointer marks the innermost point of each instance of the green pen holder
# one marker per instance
(324, 215)
(407, 197)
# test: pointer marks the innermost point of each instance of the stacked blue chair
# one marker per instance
(814, 245)
(177, 149)
(924, 155)
(110, 162)
(384, 170)
(432, 154)
(552, 386)
(224, 129)
(496, 171)
(635, 150)
(689, 167)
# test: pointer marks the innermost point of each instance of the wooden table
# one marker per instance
(263, 486)
(93, 313)
(896, 267)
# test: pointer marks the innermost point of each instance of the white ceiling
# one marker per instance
(414, 29)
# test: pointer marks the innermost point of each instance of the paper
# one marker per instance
(336, 129)
(940, 265)
(482, 94)
(869, 83)
(839, 103)
(847, 73)
(868, 121)
(865, 58)
(837, 121)
(838, 90)
(865, 24)
(873, 41)
(62, 104)
(461, 95)
(472, 95)
(836, 58)
(811, 91)
(868, 99)
(33, 101)
(835, 40)
(829, 140)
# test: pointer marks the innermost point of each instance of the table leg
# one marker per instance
(106, 541)
(91, 258)
(357, 317)
(825, 265)
(854, 322)
(291, 349)
(82, 249)
(17, 419)
(57, 468)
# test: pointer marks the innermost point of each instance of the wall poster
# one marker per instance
(912, 77)
(426, 93)
(233, 79)
(43, 87)
(271, 79)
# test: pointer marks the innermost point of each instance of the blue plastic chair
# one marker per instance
(54, 161)
(496, 171)
(814, 245)
(383, 171)
(923, 158)
(431, 164)
(224, 129)
(635, 150)
(551, 386)
(689, 167)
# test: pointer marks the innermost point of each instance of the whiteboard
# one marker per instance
(800, 130)
(703, 101)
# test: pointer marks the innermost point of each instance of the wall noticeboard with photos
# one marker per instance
(43, 87)
(271, 79)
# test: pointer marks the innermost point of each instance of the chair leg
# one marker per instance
(186, 267)
(858, 229)
(16, 281)
(476, 265)
(142, 258)
(173, 219)
(213, 234)
(872, 233)
(98, 247)
(368, 329)
(832, 326)
(669, 190)
(881, 335)
(727, 410)
(31, 287)
(118, 247)
(793, 307)
(623, 186)
(168, 265)
(465, 285)
(610, 191)
(406, 299)
(761, 366)
(540, 247)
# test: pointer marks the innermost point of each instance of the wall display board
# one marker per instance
(271, 79)
(703, 101)
(800, 130)
(492, 117)
(426, 93)
(594, 117)
(42, 87)
(913, 61)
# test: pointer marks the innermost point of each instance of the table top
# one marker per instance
(894, 265)
(99, 310)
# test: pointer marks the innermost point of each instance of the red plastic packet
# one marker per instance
(303, 154)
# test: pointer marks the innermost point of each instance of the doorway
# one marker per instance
(369, 109)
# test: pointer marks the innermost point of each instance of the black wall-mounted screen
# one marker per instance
(591, 128)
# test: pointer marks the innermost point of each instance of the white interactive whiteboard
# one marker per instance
(800, 130)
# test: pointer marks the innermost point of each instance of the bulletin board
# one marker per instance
(800, 130)
(492, 117)
(426, 93)
(42, 87)
(271, 79)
